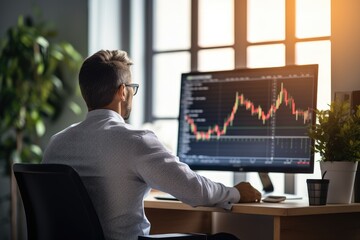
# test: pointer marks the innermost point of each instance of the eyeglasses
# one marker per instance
(134, 86)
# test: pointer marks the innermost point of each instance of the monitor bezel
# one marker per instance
(283, 169)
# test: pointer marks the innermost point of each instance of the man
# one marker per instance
(119, 164)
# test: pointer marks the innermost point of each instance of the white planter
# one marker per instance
(342, 177)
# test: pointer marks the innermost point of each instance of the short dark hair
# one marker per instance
(101, 75)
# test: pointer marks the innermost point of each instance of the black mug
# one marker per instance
(317, 190)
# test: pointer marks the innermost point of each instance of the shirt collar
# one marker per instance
(105, 113)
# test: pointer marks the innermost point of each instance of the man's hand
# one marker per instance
(248, 193)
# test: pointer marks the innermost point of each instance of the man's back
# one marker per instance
(101, 150)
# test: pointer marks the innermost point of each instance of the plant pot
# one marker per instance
(342, 178)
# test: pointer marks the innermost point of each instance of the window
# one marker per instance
(202, 35)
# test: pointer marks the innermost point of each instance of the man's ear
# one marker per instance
(121, 93)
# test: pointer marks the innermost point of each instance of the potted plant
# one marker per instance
(337, 140)
(34, 84)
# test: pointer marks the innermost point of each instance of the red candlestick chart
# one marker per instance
(283, 99)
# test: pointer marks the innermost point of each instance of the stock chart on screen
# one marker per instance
(248, 119)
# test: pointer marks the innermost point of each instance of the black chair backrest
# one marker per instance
(57, 204)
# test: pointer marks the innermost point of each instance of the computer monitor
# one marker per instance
(253, 120)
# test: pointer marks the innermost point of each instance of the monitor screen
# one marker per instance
(248, 119)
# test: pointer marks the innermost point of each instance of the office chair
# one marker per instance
(57, 205)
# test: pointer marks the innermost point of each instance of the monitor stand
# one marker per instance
(268, 188)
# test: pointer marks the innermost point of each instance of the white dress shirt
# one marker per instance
(119, 165)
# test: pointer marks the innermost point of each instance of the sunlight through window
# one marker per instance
(216, 59)
(270, 55)
(313, 18)
(266, 20)
(171, 24)
(216, 22)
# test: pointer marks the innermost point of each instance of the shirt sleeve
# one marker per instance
(163, 171)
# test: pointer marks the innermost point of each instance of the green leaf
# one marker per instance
(35, 149)
(40, 69)
(26, 40)
(40, 128)
(42, 42)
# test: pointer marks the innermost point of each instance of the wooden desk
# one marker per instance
(292, 219)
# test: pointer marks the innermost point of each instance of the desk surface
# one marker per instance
(286, 208)
(288, 220)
